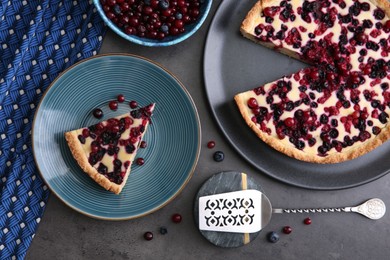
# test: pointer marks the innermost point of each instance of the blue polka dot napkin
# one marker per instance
(38, 40)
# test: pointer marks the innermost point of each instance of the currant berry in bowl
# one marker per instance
(154, 22)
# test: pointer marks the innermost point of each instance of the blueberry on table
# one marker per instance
(163, 230)
(273, 237)
(219, 156)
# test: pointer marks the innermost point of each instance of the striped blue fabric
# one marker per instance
(38, 40)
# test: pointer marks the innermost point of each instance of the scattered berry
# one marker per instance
(143, 144)
(98, 113)
(121, 98)
(148, 235)
(140, 161)
(211, 144)
(219, 156)
(176, 218)
(133, 104)
(287, 230)
(307, 221)
(163, 230)
(113, 105)
(273, 237)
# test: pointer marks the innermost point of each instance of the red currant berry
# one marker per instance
(113, 105)
(140, 161)
(148, 235)
(85, 132)
(252, 103)
(211, 144)
(94, 148)
(176, 218)
(98, 113)
(143, 144)
(307, 221)
(287, 230)
(121, 98)
(133, 104)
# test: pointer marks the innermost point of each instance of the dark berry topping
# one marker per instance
(81, 139)
(376, 130)
(379, 14)
(334, 133)
(365, 6)
(383, 117)
(102, 169)
(129, 148)
(324, 119)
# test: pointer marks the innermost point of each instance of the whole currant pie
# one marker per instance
(339, 108)
(106, 151)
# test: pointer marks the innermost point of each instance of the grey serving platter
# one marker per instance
(233, 64)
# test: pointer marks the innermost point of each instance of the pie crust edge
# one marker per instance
(274, 142)
(79, 156)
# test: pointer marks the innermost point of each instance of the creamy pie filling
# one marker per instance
(342, 101)
(111, 145)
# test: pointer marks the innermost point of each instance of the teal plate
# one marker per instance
(173, 138)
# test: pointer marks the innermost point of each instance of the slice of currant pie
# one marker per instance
(105, 151)
(338, 109)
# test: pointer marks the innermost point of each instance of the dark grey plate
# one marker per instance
(233, 64)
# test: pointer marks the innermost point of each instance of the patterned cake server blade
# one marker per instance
(245, 211)
(249, 211)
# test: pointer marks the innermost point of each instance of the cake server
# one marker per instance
(248, 211)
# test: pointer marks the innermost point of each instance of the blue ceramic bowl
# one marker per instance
(167, 41)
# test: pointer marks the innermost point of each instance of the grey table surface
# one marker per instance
(66, 234)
